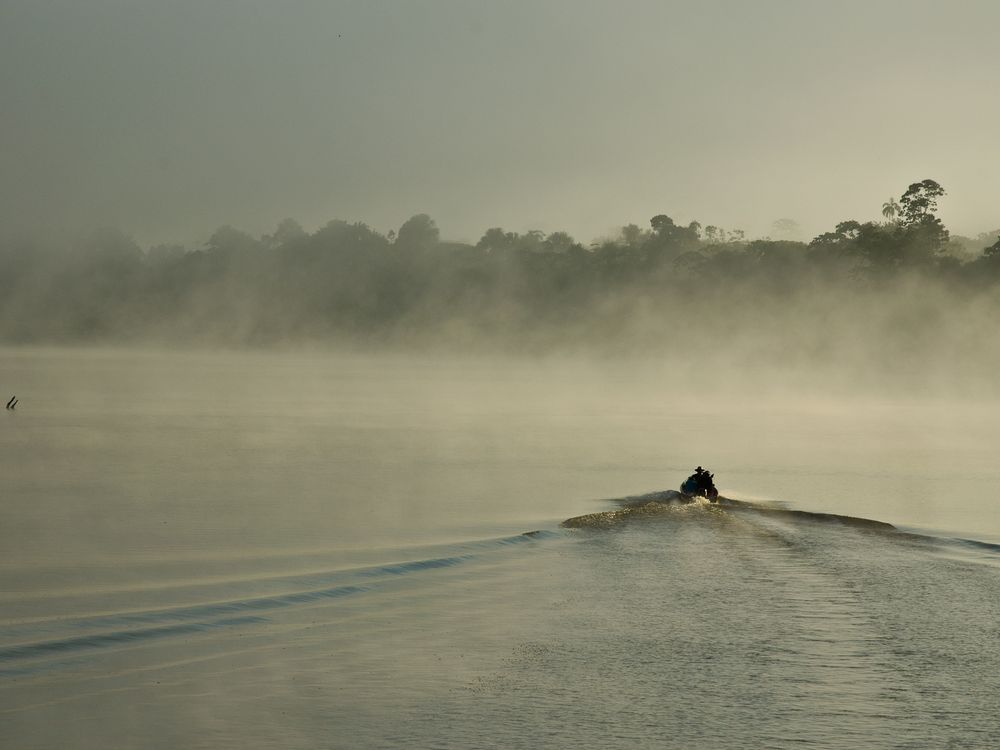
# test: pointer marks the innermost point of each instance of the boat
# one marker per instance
(691, 489)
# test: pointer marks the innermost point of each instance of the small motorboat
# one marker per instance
(691, 486)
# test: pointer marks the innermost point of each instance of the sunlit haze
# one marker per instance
(466, 374)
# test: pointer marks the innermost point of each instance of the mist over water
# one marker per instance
(353, 355)
(252, 549)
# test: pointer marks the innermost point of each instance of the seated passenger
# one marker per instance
(706, 485)
(690, 485)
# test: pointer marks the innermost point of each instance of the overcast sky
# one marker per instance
(171, 118)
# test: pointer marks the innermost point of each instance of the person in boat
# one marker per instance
(693, 484)
(701, 484)
(706, 484)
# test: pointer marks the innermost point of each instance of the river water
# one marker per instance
(213, 550)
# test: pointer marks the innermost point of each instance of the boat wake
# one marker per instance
(46, 636)
(726, 619)
(668, 502)
(23, 650)
(671, 505)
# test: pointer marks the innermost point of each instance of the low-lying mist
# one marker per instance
(897, 304)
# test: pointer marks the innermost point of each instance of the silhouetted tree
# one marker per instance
(842, 234)
(228, 241)
(662, 225)
(347, 280)
(559, 242)
(287, 232)
(670, 240)
(890, 209)
(418, 233)
(993, 251)
(633, 235)
(495, 240)
(919, 201)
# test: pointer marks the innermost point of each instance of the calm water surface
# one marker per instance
(259, 550)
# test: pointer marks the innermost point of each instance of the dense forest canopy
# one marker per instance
(874, 287)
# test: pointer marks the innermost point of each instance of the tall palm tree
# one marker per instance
(890, 209)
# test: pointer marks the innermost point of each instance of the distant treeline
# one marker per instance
(347, 282)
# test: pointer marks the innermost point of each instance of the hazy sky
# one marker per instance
(168, 119)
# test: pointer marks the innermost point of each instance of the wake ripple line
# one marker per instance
(103, 640)
(199, 611)
(205, 613)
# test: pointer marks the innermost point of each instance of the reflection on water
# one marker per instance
(259, 551)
